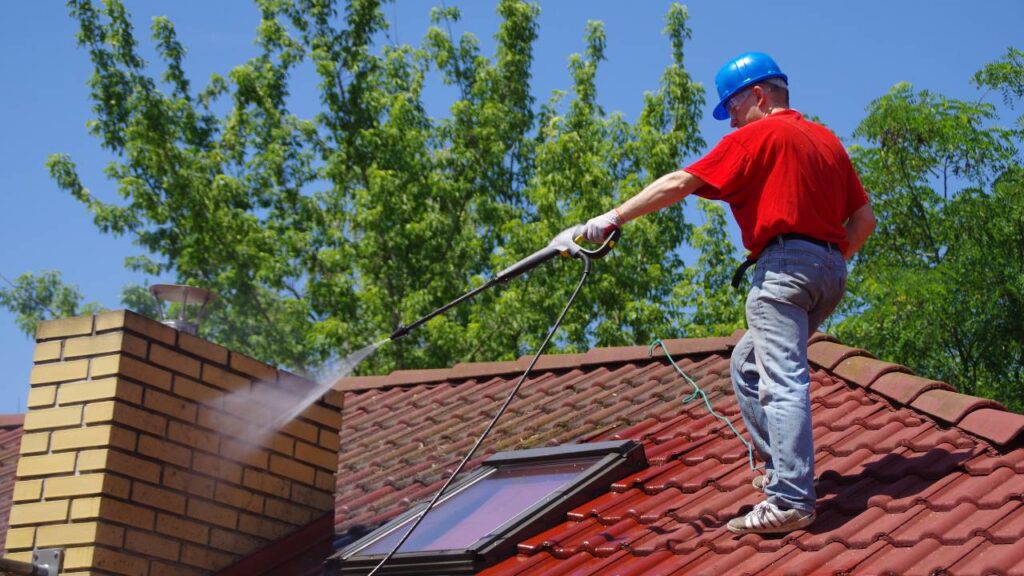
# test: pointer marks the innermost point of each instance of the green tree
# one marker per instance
(940, 287)
(45, 296)
(323, 234)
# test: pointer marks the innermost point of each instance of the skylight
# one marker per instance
(512, 496)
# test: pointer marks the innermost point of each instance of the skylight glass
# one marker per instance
(479, 509)
(510, 497)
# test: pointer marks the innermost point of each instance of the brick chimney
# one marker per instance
(142, 455)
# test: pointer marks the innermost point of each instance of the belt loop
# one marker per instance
(780, 241)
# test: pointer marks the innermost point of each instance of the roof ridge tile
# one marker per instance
(949, 406)
(828, 354)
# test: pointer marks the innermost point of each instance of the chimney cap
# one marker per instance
(184, 295)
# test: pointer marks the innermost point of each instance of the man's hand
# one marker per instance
(598, 228)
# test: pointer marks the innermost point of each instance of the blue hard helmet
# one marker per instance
(740, 72)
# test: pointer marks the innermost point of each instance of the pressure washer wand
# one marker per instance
(564, 244)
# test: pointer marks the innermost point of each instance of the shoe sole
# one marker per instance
(773, 530)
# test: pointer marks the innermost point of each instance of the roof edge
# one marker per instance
(933, 398)
(595, 356)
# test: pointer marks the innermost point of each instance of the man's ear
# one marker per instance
(761, 96)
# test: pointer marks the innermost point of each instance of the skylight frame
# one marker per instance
(616, 460)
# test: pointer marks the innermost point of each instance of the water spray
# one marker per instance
(563, 244)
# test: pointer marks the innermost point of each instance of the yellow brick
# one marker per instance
(144, 372)
(102, 389)
(109, 560)
(46, 465)
(325, 481)
(335, 399)
(80, 533)
(202, 348)
(86, 485)
(134, 467)
(170, 405)
(123, 413)
(89, 460)
(205, 395)
(265, 483)
(239, 498)
(205, 558)
(110, 510)
(192, 436)
(48, 418)
(225, 424)
(288, 512)
(20, 539)
(47, 351)
(217, 467)
(258, 370)
(102, 366)
(93, 437)
(223, 379)
(244, 453)
(325, 459)
(150, 328)
(110, 320)
(165, 451)
(283, 444)
(252, 406)
(182, 529)
(303, 430)
(263, 527)
(42, 396)
(20, 556)
(25, 490)
(313, 498)
(188, 482)
(35, 443)
(330, 440)
(154, 497)
(291, 469)
(161, 569)
(232, 541)
(93, 345)
(39, 513)
(134, 345)
(59, 372)
(78, 558)
(172, 360)
(152, 545)
(328, 417)
(211, 513)
(48, 329)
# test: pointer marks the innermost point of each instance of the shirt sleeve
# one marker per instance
(725, 169)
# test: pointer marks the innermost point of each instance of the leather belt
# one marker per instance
(737, 276)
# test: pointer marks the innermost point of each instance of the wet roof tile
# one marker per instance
(10, 447)
(901, 488)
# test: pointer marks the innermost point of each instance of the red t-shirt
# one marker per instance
(783, 174)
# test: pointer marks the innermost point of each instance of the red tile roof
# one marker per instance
(10, 447)
(912, 477)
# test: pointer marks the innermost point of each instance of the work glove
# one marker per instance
(598, 228)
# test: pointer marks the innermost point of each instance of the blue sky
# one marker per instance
(839, 56)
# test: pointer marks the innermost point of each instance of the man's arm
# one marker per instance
(860, 225)
(664, 191)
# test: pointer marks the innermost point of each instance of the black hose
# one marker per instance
(494, 421)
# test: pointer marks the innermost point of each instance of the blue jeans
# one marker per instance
(796, 285)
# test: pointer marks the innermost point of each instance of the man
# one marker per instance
(802, 212)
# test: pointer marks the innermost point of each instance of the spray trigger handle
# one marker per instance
(601, 250)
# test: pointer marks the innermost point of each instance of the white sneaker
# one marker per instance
(767, 518)
(760, 482)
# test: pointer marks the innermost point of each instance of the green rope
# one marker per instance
(698, 392)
